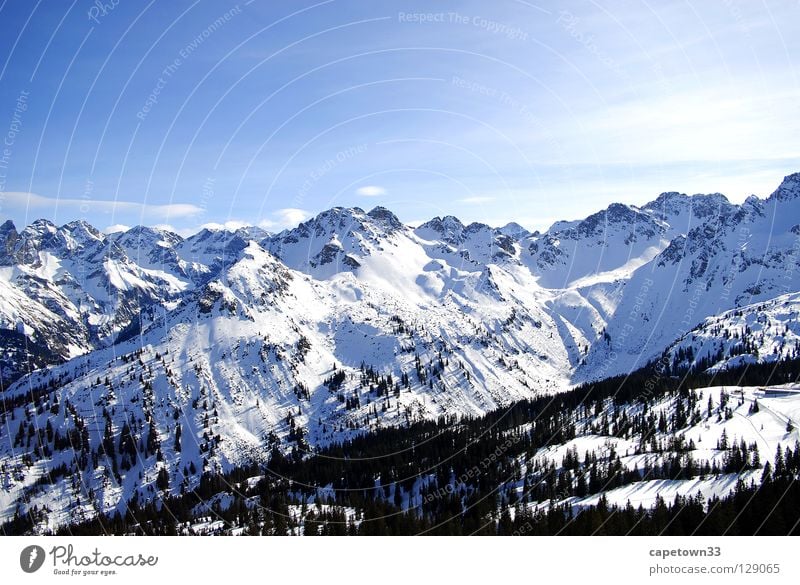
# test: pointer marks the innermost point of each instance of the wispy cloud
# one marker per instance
(478, 200)
(38, 204)
(370, 191)
(117, 227)
(231, 224)
(132, 213)
(279, 219)
(288, 217)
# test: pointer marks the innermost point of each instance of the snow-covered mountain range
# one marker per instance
(206, 352)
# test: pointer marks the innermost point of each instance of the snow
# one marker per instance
(241, 321)
(645, 493)
(623, 272)
(766, 428)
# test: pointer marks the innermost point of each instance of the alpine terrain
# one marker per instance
(241, 380)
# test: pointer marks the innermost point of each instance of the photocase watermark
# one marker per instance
(171, 69)
(524, 529)
(326, 167)
(207, 193)
(730, 277)
(636, 315)
(689, 320)
(474, 471)
(31, 558)
(66, 561)
(66, 556)
(10, 137)
(736, 12)
(513, 33)
(81, 269)
(570, 23)
(476, 87)
(790, 266)
(101, 9)
(514, 105)
(503, 97)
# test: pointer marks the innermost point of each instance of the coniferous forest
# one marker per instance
(482, 475)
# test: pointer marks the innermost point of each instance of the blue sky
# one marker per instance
(193, 113)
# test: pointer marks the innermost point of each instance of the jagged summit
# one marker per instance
(673, 204)
(79, 236)
(97, 283)
(789, 188)
(8, 240)
(386, 217)
(615, 215)
(147, 233)
(514, 230)
(352, 321)
(448, 228)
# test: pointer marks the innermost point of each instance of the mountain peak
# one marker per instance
(41, 226)
(386, 217)
(336, 217)
(667, 196)
(252, 232)
(34, 237)
(143, 236)
(672, 204)
(788, 189)
(81, 227)
(143, 229)
(448, 228)
(8, 238)
(514, 230)
(334, 240)
(614, 214)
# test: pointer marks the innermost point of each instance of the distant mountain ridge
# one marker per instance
(91, 286)
(210, 351)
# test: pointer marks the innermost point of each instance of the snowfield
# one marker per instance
(132, 363)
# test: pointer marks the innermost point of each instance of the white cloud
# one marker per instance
(117, 227)
(476, 200)
(38, 204)
(279, 219)
(142, 213)
(165, 227)
(291, 216)
(182, 232)
(288, 217)
(370, 191)
(231, 224)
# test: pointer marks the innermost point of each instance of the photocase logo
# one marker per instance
(31, 558)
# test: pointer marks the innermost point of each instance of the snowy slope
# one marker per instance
(707, 438)
(749, 253)
(602, 243)
(352, 321)
(762, 332)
